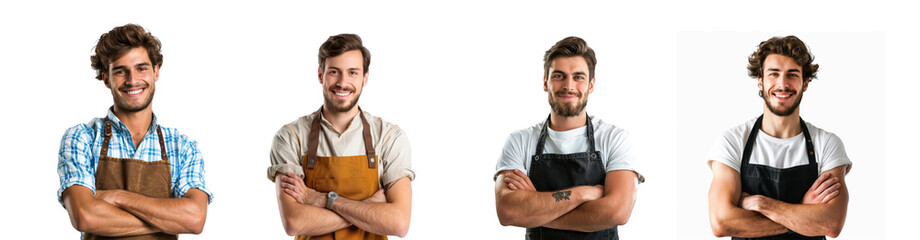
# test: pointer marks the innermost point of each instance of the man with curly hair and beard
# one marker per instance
(570, 176)
(777, 176)
(125, 176)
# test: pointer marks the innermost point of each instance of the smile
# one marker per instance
(134, 92)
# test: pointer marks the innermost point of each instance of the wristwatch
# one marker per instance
(331, 197)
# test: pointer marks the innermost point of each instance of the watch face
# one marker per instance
(333, 194)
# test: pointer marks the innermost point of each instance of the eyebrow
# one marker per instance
(777, 70)
(126, 67)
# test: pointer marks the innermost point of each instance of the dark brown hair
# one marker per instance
(338, 44)
(790, 46)
(570, 47)
(120, 40)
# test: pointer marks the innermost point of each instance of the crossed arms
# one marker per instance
(303, 210)
(733, 213)
(581, 208)
(117, 213)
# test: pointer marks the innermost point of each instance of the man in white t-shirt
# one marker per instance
(777, 176)
(571, 176)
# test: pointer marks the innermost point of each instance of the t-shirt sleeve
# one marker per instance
(396, 158)
(284, 154)
(727, 150)
(191, 170)
(620, 155)
(834, 155)
(75, 160)
(512, 155)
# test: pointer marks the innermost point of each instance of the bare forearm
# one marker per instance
(805, 219)
(610, 210)
(528, 209)
(379, 218)
(172, 215)
(89, 215)
(737, 222)
(308, 220)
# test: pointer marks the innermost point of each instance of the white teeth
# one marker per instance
(135, 91)
(342, 94)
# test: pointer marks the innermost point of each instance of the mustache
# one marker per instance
(563, 92)
(130, 86)
(338, 88)
(793, 91)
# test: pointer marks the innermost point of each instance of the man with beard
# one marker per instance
(124, 176)
(570, 176)
(339, 172)
(777, 176)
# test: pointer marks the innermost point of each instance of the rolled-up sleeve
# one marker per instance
(75, 160)
(397, 158)
(191, 172)
(284, 154)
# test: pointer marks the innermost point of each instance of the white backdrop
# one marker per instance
(457, 77)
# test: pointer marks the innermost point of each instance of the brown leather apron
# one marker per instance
(152, 179)
(352, 177)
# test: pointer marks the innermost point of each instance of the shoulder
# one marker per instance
(385, 129)
(607, 130)
(174, 136)
(524, 135)
(821, 136)
(83, 131)
(740, 132)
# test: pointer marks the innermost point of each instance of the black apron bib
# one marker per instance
(787, 185)
(553, 172)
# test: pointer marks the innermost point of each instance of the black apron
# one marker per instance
(787, 185)
(553, 172)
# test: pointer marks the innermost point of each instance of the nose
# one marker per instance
(569, 83)
(133, 77)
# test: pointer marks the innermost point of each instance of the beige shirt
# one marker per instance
(391, 144)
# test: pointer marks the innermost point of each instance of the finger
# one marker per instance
(514, 180)
(827, 184)
(832, 188)
(512, 187)
(511, 177)
(523, 176)
(819, 181)
(291, 193)
(830, 196)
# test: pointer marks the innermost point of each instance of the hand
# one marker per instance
(108, 196)
(749, 202)
(378, 197)
(294, 186)
(823, 190)
(517, 180)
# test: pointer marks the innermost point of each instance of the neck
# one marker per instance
(781, 126)
(137, 122)
(340, 120)
(560, 123)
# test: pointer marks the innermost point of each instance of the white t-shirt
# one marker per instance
(779, 153)
(612, 143)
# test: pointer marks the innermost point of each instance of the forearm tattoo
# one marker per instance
(562, 195)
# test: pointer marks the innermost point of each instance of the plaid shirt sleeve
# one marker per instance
(76, 164)
(191, 170)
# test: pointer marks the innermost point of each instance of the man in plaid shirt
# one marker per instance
(124, 175)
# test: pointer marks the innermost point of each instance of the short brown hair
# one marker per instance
(338, 44)
(790, 46)
(570, 47)
(120, 40)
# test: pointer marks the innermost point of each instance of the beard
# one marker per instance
(567, 110)
(340, 105)
(779, 110)
(127, 107)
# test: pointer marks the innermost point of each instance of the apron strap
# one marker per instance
(108, 136)
(589, 134)
(749, 146)
(810, 146)
(368, 144)
(313, 140)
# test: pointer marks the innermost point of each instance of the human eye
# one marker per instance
(557, 76)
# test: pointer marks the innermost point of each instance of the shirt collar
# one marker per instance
(355, 122)
(117, 125)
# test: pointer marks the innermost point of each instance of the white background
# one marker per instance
(458, 77)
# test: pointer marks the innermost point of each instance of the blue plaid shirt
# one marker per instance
(82, 143)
